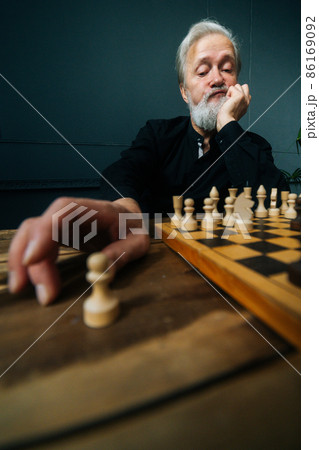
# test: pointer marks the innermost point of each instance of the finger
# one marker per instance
(230, 91)
(233, 91)
(40, 243)
(18, 276)
(245, 88)
(45, 234)
(238, 87)
(126, 250)
(45, 277)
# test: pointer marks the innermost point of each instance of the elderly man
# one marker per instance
(185, 155)
(189, 155)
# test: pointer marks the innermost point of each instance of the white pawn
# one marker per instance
(284, 204)
(188, 222)
(208, 221)
(247, 192)
(229, 208)
(177, 217)
(261, 211)
(291, 213)
(101, 308)
(273, 211)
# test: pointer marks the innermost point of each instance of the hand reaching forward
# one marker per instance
(33, 252)
(238, 99)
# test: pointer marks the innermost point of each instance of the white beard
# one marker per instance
(204, 114)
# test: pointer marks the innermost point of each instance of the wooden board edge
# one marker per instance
(282, 321)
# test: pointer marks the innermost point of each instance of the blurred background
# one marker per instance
(98, 70)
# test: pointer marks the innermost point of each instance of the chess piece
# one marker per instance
(247, 192)
(232, 192)
(177, 217)
(208, 221)
(229, 209)
(101, 308)
(243, 225)
(243, 213)
(214, 194)
(188, 222)
(273, 211)
(261, 211)
(284, 204)
(295, 224)
(291, 213)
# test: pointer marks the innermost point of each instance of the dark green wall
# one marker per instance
(97, 70)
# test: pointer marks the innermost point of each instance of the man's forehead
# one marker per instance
(211, 44)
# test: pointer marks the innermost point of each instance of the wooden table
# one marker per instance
(180, 369)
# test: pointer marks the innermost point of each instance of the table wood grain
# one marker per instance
(179, 362)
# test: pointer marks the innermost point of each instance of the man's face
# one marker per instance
(210, 70)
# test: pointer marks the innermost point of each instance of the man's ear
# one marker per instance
(183, 92)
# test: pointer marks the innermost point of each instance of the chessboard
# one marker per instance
(254, 268)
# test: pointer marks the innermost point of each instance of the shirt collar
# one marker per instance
(197, 140)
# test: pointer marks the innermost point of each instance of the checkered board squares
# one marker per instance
(251, 267)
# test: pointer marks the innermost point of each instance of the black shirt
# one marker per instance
(163, 161)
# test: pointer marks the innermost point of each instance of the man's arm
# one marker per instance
(248, 157)
(33, 252)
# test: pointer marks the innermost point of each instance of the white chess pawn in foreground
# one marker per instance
(284, 204)
(291, 213)
(101, 308)
(261, 211)
(208, 220)
(188, 222)
(177, 217)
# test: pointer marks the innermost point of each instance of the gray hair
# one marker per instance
(196, 32)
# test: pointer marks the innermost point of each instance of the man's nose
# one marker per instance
(216, 78)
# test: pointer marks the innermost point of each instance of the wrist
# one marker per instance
(223, 120)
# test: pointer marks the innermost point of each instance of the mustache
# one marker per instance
(213, 90)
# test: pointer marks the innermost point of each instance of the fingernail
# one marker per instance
(29, 252)
(42, 294)
(13, 282)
